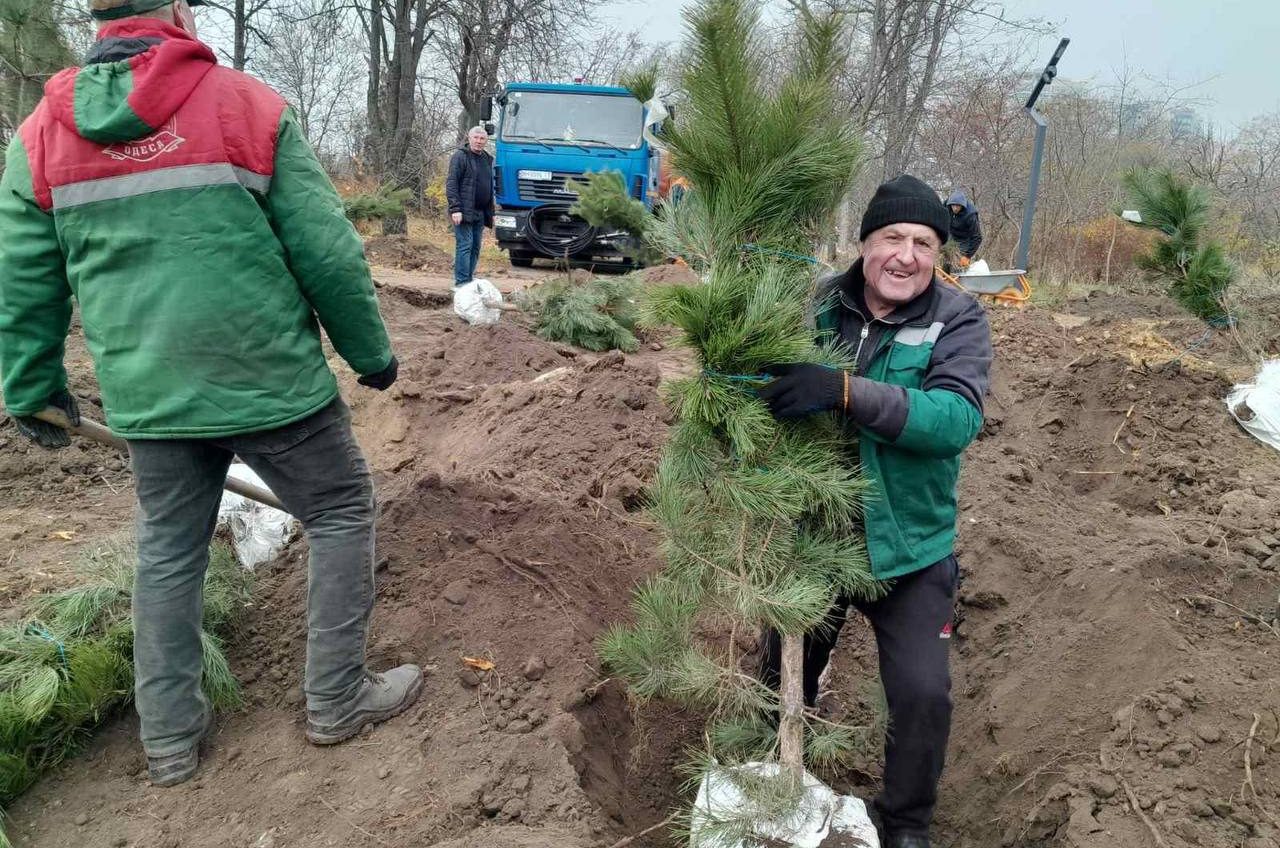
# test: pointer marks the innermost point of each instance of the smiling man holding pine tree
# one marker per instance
(911, 404)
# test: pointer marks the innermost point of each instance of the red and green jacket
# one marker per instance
(180, 205)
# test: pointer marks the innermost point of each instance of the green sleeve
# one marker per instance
(324, 252)
(940, 423)
(35, 300)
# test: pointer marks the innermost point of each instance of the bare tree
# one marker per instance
(899, 54)
(35, 43)
(1254, 178)
(480, 34)
(310, 60)
(397, 32)
(248, 24)
(600, 56)
(907, 42)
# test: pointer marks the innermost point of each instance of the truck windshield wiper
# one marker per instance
(526, 137)
(599, 141)
(571, 143)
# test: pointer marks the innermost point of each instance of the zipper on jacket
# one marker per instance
(862, 338)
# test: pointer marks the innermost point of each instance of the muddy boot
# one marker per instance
(180, 767)
(381, 697)
(907, 840)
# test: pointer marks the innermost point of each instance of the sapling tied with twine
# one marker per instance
(758, 517)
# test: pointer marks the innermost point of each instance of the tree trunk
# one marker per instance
(376, 140)
(240, 37)
(844, 241)
(791, 724)
(1106, 269)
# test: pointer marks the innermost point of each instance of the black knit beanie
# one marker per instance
(905, 200)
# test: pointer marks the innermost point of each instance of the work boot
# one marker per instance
(381, 697)
(907, 840)
(180, 767)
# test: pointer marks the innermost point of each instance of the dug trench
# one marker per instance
(1120, 558)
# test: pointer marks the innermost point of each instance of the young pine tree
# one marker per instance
(1195, 268)
(757, 516)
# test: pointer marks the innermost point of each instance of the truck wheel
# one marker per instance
(519, 259)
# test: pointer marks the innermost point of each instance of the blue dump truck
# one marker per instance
(549, 133)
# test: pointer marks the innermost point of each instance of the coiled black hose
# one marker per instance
(556, 244)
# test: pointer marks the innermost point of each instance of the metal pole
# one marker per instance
(1037, 154)
(1029, 214)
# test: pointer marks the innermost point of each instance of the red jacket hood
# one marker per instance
(112, 101)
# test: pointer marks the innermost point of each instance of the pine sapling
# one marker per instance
(757, 517)
(1193, 266)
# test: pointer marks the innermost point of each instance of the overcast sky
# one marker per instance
(1227, 45)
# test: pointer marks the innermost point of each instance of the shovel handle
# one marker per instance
(98, 433)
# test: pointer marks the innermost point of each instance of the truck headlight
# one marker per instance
(507, 222)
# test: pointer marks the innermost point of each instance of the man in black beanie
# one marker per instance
(910, 405)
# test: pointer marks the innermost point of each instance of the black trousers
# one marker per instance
(912, 624)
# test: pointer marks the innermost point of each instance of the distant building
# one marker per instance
(1186, 123)
(1137, 114)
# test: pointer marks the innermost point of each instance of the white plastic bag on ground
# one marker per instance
(821, 814)
(258, 532)
(1256, 406)
(478, 302)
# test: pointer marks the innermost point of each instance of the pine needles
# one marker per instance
(603, 202)
(68, 665)
(757, 517)
(1196, 268)
(642, 82)
(598, 315)
(386, 202)
(767, 164)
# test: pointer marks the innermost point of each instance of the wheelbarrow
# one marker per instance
(1008, 287)
(98, 433)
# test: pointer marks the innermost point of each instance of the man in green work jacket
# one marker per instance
(180, 206)
(912, 402)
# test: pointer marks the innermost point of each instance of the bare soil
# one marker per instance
(1119, 538)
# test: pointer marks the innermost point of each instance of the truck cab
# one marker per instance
(550, 133)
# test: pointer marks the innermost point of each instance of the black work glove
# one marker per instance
(801, 389)
(48, 435)
(383, 379)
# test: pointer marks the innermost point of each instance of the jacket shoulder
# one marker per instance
(953, 303)
(249, 112)
(248, 91)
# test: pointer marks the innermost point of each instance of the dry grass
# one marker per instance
(1254, 301)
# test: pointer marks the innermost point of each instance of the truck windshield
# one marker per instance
(613, 120)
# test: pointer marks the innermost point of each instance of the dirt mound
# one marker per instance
(407, 255)
(1119, 537)
(668, 273)
(1103, 503)
(28, 471)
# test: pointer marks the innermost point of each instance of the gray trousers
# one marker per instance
(316, 469)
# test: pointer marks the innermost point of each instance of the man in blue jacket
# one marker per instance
(469, 190)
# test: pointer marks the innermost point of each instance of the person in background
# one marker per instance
(469, 190)
(966, 232)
